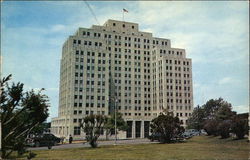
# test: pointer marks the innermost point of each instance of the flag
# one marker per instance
(124, 10)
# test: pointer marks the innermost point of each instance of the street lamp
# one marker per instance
(115, 122)
(116, 100)
(198, 119)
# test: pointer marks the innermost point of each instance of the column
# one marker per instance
(133, 129)
(142, 129)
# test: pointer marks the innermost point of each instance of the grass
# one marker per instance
(199, 148)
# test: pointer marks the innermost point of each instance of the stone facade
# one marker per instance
(146, 74)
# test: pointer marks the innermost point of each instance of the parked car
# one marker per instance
(190, 133)
(155, 136)
(203, 132)
(43, 140)
(187, 135)
(193, 132)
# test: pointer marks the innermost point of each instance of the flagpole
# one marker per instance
(122, 15)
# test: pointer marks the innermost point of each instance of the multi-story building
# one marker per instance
(142, 72)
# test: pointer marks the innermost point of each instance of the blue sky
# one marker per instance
(214, 34)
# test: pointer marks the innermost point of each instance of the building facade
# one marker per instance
(144, 74)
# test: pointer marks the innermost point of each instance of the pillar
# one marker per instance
(133, 129)
(142, 129)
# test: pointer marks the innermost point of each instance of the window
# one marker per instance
(74, 120)
(76, 130)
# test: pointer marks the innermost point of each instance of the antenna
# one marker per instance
(92, 12)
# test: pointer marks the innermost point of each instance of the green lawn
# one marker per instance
(198, 148)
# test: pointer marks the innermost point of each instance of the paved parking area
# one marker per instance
(100, 143)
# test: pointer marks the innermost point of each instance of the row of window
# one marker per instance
(169, 52)
(86, 33)
(115, 55)
(178, 94)
(182, 114)
(177, 68)
(89, 43)
(77, 52)
(176, 62)
(170, 74)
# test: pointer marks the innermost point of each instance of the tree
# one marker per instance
(21, 112)
(93, 127)
(224, 116)
(210, 115)
(240, 125)
(110, 124)
(196, 120)
(211, 107)
(224, 112)
(167, 126)
(43, 127)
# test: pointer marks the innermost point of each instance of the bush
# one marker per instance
(211, 127)
(167, 126)
(240, 127)
(224, 128)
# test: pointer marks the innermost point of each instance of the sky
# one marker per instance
(214, 34)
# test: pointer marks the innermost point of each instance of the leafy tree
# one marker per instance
(224, 117)
(93, 126)
(240, 125)
(210, 115)
(43, 127)
(224, 112)
(196, 120)
(167, 126)
(211, 107)
(110, 124)
(20, 112)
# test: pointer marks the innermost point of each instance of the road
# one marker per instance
(100, 143)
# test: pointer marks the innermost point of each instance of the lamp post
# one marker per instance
(198, 119)
(115, 119)
(115, 122)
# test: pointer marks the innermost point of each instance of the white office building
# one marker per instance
(144, 73)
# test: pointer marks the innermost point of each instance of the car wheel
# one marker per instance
(55, 143)
(37, 144)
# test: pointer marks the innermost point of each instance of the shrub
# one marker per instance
(224, 128)
(240, 127)
(211, 127)
(167, 126)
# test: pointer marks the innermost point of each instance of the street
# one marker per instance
(100, 143)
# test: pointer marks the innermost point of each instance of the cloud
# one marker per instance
(53, 89)
(241, 108)
(58, 28)
(214, 35)
(226, 80)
